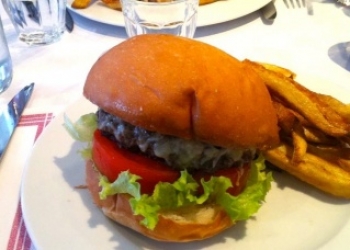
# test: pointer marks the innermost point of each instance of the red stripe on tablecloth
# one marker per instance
(39, 120)
(19, 238)
(15, 229)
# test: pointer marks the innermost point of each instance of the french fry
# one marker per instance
(80, 4)
(299, 143)
(285, 72)
(298, 100)
(113, 4)
(315, 132)
(341, 108)
(314, 170)
(286, 118)
(316, 136)
(332, 109)
(203, 2)
(344, 164)
(330, 153)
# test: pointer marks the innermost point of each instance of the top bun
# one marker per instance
(185, 88)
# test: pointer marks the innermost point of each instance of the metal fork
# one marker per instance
(345, 2)
(298, 4)
(293, 4)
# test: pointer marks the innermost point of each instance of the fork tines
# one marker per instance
(294, 3)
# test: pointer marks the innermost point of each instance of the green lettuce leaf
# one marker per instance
(82, 130)
(126, 184)
(182, 192)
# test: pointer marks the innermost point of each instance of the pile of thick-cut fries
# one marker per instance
(315, 132)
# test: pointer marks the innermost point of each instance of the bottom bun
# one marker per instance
(182, 225)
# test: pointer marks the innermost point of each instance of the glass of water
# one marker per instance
(177, 17)
(38, 22)
(5, 62)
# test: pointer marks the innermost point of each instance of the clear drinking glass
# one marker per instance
(38, 22)
(177, 17)
(5, 62)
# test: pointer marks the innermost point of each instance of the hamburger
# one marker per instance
(173, 148)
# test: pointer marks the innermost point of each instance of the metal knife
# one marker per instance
(10, 116)
(69, 22)
(269, 11)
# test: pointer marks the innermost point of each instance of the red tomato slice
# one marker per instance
(237, 175)
(111, 160)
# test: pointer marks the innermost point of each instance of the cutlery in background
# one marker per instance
(9, 117)
(69, 22)
(269, 12)
(344, 2)
(33, 13)
(18, 13)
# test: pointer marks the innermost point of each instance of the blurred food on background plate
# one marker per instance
(116, 5)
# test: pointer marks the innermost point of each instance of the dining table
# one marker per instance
(311, 38)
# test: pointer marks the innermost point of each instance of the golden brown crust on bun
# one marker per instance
(185, 225)
(186, 88)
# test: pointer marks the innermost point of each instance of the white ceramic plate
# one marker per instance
(213, 13)
(58, 215)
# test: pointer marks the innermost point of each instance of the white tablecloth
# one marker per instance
(313, 41)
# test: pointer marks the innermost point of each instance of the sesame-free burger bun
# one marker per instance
(185, 88)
